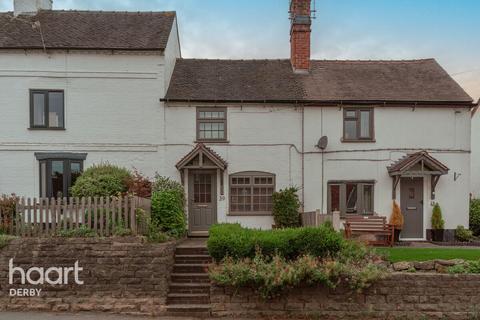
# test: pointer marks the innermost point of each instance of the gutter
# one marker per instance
(475, 107)
(336, 103)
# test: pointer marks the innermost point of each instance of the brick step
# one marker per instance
(191, 250)
(189, 310)
(190, 268)
(192, 258)
(190, 288)
(188, 298)
(190, 278)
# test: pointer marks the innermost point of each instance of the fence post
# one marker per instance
(132, 216)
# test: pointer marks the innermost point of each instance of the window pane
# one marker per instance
(57, 178)
(335, 198)
(351, 114)
(351, 198)
(350, 129)
(75, 172)
(367, 198)
(365, 124)
(39, 109)
(55, 109)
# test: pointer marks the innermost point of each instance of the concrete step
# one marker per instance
(191, 250)
(190, 288)
(189, 310)
(188, 298)
(190, 278)
(192, 258)
(190, 268)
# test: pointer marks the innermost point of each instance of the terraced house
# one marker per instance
(80, 88)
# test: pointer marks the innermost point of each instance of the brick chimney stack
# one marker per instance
(300, 16)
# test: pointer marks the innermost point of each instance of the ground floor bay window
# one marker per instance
(351, 197)
(58, 172)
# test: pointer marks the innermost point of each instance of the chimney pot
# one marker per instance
(30, 6)
(300, 16)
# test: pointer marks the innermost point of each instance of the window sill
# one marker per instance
(46, 129)
(358, 141)
(250, 214)
(212, 141)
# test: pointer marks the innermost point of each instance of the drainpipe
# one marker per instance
(303, 158)
(323, 166)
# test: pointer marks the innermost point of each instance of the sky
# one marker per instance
(448, 30)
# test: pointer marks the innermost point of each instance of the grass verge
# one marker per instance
(424, 254)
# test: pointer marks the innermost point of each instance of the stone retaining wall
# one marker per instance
(121, 275)
(401, 296)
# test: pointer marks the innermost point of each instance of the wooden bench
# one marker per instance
(374, 225)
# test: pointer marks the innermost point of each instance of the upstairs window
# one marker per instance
(351, 197)
(358, 124)
(47, 109)
(251, 193)
(212, 124)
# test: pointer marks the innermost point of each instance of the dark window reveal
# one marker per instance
(251, 192)
(351, 197)
(47, 109)
(211, 124)
(358, 124)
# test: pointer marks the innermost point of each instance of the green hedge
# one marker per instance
(102, 180)
(231, 240)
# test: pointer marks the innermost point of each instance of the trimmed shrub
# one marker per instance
(463, 234)
(231, 240)
(475, 216)
(396, 218)
(7, 207)
(103, 180)
(285, 208)
(139, 185)
(168, 212)
(437, 220)
(168, 206)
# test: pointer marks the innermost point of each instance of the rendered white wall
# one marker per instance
(475, 188)
(445, 131)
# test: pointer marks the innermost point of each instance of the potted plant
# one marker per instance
(396, 219)
(438, 224)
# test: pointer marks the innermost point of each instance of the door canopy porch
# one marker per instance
(201, 157)
(414, 165)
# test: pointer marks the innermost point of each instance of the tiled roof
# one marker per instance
(86, 30)
(328, 80)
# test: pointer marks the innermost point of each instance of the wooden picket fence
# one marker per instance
(316, 218)
(101, 215)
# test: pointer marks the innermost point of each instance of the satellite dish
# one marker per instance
(323, 143)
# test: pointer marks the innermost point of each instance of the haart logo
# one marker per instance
(52, 276)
